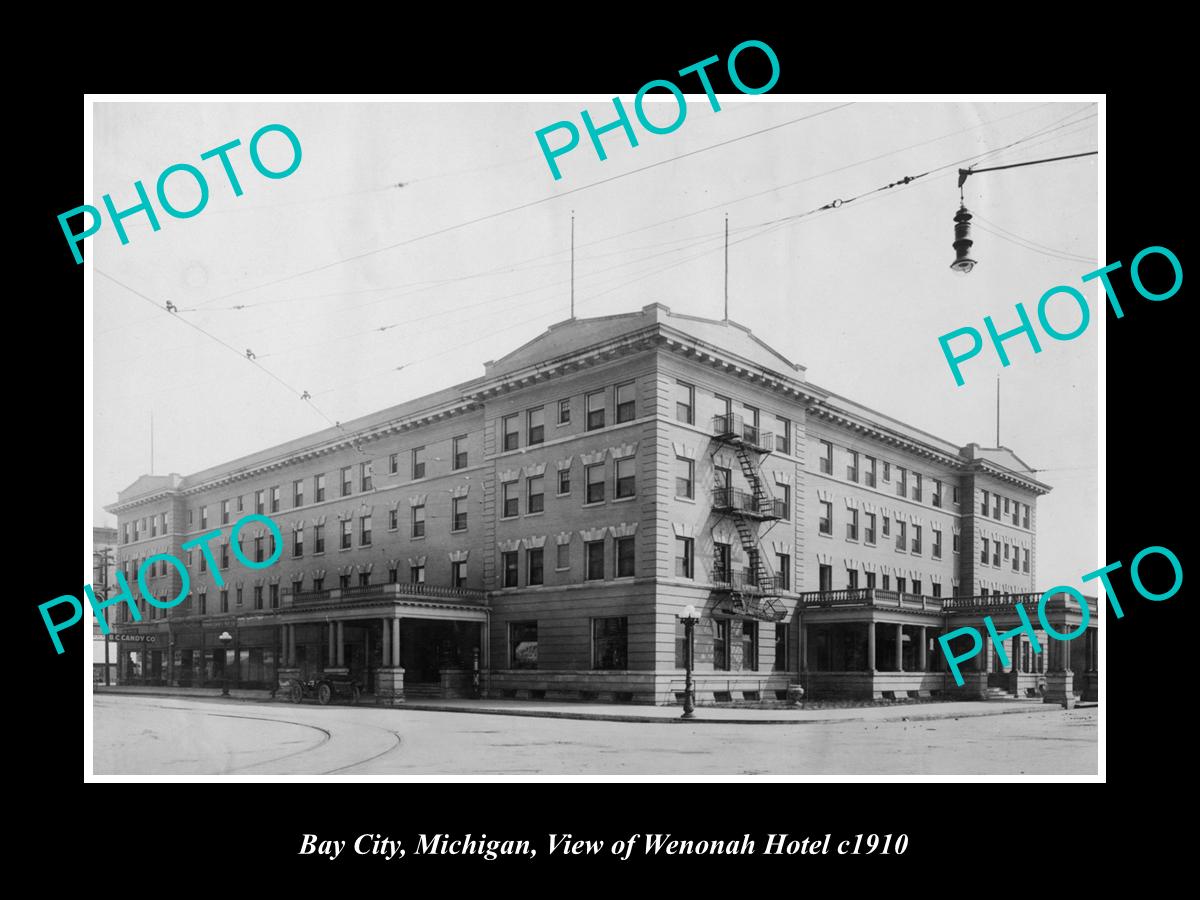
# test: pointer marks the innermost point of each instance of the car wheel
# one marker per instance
(355, 693)
(295, 692)
(324, 693)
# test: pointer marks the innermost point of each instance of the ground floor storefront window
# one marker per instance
(610, 642)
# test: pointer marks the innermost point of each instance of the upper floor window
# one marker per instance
(536, 491)
(418, 521)
(595, 483)
(983, 552)
(459, 512)
(510, 432)
(852, 525)
(365, 471)
(625, 556)
(594, 557)
(347, 484)
(983, 506)
(901, 534)
(869, 529)
(685, 472)
(510, 501)
(916, 539)
(869, 476)
(595, 410)
(937, 544)
(203, 521)
(684, 557)
(826, 524)
(260, 502)
(298, 492)
(827, 457)
(318, 488)
(626, 480)
(995, 506)
(685, 403)
(1016, 512)
(852, 465)
(537, 425)
(937, 493)
(460, 452)
(1025, 561)
(364, 530)
(1025, 517)
(347, 536)
(564, 411)
(275, 501)
(418, 463)
(783, 435)
(785, 498)
(916, 494)
(626, 402)
(394, 464)
(224, 512)
(901, 481)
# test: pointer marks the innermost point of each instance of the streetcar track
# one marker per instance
(328, 736)
(399, 741)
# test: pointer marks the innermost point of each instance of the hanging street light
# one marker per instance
(963, 263)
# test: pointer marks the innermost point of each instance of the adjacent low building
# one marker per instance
(536, 532)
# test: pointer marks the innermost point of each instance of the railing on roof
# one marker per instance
(384, 591)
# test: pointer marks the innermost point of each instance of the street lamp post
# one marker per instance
(689, 619)
(225, 638)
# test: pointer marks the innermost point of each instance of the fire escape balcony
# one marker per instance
(733, 430)
(734, 501)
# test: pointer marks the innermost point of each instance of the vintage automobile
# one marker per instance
(325, 688)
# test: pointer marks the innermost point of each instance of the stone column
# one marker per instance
(899, 648)
(291, 645)
(332, 628)
(922, 658)
(395, 642)
(387, 642)
(341, 644)
(871, 647)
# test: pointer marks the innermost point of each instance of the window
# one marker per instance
(238, 594)
(783, 435)
(937, 543)
(1006, 547)
(394, 464)
(298, 492)
(562, 558)
(625, 558)
(626, 402)
(224, 512)
(511, 502)
(901, 585)
(726, 414)
(564, 411)
(393, 519)
(954, 495)
(458, 574)
(364, 579)
(852, 525)
(459, 449)
(224, 556)
(418, 463)
(870, 579)
(887, 582)
(916, 539)
(523, 644)
(347, 486)
(685, 472)
(202, 607)
(1016, 511)
(347, 527)
(318, 539)
(983, 553)
(595, 483)
(626, 481)
(869, 476)
(901, 534)
(887, 527)
(511, 435)
(298, 585)
(364, 530)
(459, 512)
(869, 530)
(722, 478)
(393, 575)
(852, 465)
(887, 471)
(722, 563)
(1025, 561)
(983, 507)
(416, 574)
(955, 542)
(684, 557)
(937, 493)
(153, 526)
(996, 554)
(537, 494)
(826, 523)
(1025, 517)
(825, 577)
(916, 587)
(1016, 557)
(783, 565)
(609, 643)
(916, 495)
(318, 488)
(721, 644)
(298, 541)
(365, 471)
(595, 410)
(826, 457)
(564, 482)
(203, 522)
(594, 554)
(852, 579)
(685, 403)
(749, 644)
(537, 425)
(785, 497)
(260, 502)
(901, 481)
(937, 589)
(995, 506)
(418, 521)
(344, 580)
(258, 596)
(533, 565)
(225, 601)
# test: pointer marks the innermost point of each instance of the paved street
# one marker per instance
(145, 735)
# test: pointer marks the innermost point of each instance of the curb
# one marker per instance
(630, 717)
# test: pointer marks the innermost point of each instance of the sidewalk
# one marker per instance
(611, 712)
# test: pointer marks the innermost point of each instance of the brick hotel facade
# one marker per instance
(537, 531)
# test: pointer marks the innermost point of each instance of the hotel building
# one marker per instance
(536, 532)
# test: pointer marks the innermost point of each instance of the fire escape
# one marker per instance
(753, 591)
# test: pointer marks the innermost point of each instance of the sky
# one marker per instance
(366, 293)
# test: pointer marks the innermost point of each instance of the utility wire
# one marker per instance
(532, 203)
